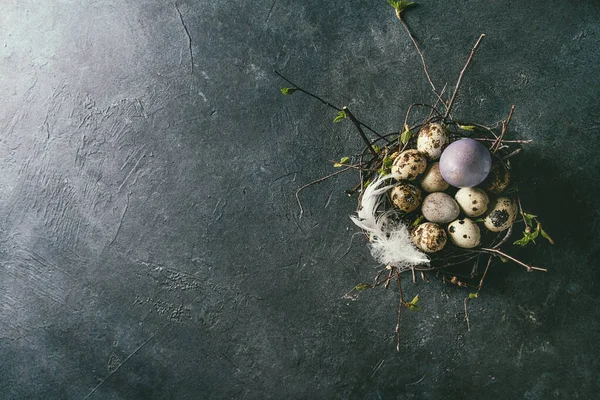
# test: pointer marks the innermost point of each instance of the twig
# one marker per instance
(360, 131)
(467, 315)
(314, 183)
(314, 96)
(400, 304)
(485, 273)
(328, 104)
(407, 29)
(505, 123)
(460, 77)
(529, 268)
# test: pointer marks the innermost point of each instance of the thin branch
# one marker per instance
(529, 268)
(314, 183)
(407, 29)
(314, 96)
(485, 273)
(505, 123)
(360, 131)
(467, 315)
(460, 77)
(400, 304)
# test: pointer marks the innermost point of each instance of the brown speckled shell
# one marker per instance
(429, 237)
(498, 179)
(406, 197)
(409, 164)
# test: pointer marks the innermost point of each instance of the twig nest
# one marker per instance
(473, 202)
(432, 140)
(407, 197)
(464, 233)
(501, 215)
(440, 208)
(432, 180)
(409, 164)
(429, 237)
(498, 179)
(465, 163)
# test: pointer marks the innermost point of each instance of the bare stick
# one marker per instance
(467, 315)
(460, 77)
(529, 268)
(314, 183)
(485, 273)
(400, 303)
(360, 131)
(498, 141)
(407, 29)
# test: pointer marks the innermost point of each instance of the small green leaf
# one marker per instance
(341, 115)
(287, 90)
(405, 136)
(413, 307)
(466, 127)
(400, 5)
(363, 286)
(415, 300)
(503, 259)
(546, 236)
(472, 295)
(367, 183)
(529, 218)
(376, 148)
(418, 220)
(480, 220)
(342, 162)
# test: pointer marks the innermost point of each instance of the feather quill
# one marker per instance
(390, 242)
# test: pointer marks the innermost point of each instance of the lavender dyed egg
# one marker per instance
(465, 163)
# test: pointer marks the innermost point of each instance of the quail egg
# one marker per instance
(465, 163)
(464, 233)
(498, 179)
(472, 201)
(432, 180)
(429, 237)
(406, 196)
(409, 164)
(432, 140)
(501, 215)
(440, 208)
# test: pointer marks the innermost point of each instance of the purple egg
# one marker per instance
(465, 163)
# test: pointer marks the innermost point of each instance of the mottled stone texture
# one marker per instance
(150, 240)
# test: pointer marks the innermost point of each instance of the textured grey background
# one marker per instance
(150, 239)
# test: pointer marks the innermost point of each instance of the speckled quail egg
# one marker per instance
(409, 164)
(440, 208)
(429, 237)
(498, 179)
(432, 180)
(432, 140)
(501, 214)
(473, 202)
(406, 196)
(464, 233)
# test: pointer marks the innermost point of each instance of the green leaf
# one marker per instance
(529, 218)
(546, 236)
(466, 127)
(415, 300)
(400, 5)
(472, 295)
(341, 115)
(376, 148)
(413, 307)
(288, 90)
(480, 220)
(342, 162)
(363, 286)
(418, 221)
(406, 135)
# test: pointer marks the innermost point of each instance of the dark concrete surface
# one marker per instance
(150, 240)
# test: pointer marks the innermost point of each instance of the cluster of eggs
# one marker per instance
(460, 182)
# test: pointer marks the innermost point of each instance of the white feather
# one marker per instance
(390, 241)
